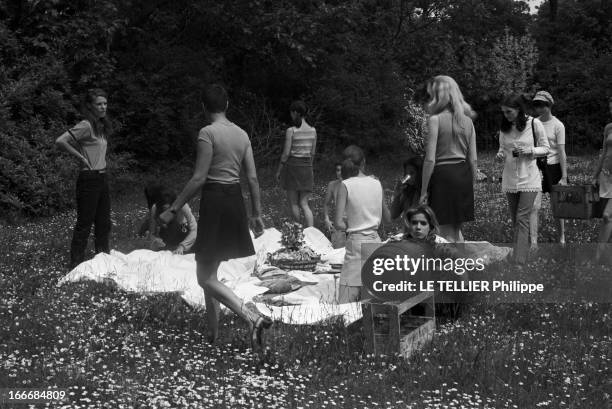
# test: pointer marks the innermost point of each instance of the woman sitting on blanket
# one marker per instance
(179, 234)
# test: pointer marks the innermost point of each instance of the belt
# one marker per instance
(94, 171)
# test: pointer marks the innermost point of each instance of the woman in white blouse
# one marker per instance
(518, 149)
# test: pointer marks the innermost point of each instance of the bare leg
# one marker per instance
(534, 221)
(212, 316)
(308, 218)
(562, 231)
(458, 233)
(605, 231)
(294, 207)
(213, 288)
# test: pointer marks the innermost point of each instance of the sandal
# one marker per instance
(259, 324)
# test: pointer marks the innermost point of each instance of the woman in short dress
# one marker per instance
(450, 158)
(603, 178)
(295, 169)
(223, 150)
(521, 181)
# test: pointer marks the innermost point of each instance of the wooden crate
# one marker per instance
(392, 327)
(574, 202)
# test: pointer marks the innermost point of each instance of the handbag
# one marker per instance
(541, 161)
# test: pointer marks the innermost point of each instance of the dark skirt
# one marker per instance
(297, 175)
(223, 226)
(551, 176)
(451, 193)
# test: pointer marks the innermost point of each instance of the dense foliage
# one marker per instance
(359, 65)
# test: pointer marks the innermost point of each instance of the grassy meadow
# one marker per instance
(114, 349)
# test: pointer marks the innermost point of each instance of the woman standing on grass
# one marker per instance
(360, 209)
(556, 168)
(450, 158)
(295, 169)
(603, 178)
(87, 142)
(223, 151)
(521, 177)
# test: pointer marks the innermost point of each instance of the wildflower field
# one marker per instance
(112, 349)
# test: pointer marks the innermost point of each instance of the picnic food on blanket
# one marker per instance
(294, 255)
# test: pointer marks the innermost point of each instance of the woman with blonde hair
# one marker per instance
(450, 158)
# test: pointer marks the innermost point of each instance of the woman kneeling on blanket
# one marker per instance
(179, 234)
(223, 150)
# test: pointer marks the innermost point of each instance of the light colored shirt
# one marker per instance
(607, 150)
(521, 174)
(363, 204)
(230, 144)
(453, 140)
(92, 146)
(302, 141)
(555, 132)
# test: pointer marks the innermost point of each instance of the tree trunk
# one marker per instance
(553, 4)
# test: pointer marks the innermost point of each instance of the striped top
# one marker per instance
(302, 141)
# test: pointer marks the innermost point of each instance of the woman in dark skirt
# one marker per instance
(224, 150)
(450, 158)
(295, 169)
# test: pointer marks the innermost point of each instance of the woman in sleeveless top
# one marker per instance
(603, 178)
(224, 150)
(295, 169)
(87, 142)
(450, 158)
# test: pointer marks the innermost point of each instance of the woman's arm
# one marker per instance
(192, 224)
(397, 204)
(472, 153)
(600, 162)
(543, 145)
(386, 215)
(314, 146)
(329, 195)
(251, 172)
(286, 151)
(63, 142)
(430, 155)
(342, 194)
(200, 173)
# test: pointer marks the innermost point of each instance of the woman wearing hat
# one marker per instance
(603, 178)
(556, 160)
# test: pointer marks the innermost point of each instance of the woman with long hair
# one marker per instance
(450, 158)
(521, 179)
(602, 177)
(295, 169)
(223, 151)
(87, 142)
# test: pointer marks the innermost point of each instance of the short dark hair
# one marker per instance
(353, 160)
(215, 98)
(299, 107)
(165, 197)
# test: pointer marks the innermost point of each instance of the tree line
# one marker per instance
(360, 65)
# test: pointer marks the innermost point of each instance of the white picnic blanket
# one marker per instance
(146, 271)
